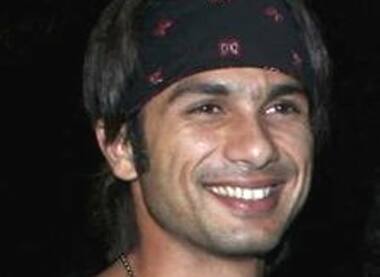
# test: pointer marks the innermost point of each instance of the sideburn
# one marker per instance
(136, 137)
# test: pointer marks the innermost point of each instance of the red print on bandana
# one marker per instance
(274, 14)
(156, 77)
(296, 59)
(162, 27)
(229, 48)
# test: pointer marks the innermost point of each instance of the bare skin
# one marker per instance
(230, 154)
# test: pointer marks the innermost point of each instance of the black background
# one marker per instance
(49, 153)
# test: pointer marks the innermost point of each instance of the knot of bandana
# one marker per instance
(178, 38)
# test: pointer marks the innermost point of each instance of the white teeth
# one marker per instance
(223, 191)
(239, 192)
(230, 191)
(247, 194)
(258, 194)
(219, 190)
(242, 193)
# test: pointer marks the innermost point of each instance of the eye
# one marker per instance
(206, 108)
(284, 107)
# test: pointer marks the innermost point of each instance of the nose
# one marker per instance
(251, 143)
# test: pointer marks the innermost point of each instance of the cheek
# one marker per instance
(179, 150)
(191, 147)
(199, 140)
(296, 146)
(296, 141)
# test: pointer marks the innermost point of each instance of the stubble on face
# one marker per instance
(204, 180)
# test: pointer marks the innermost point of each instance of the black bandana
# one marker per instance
(178, 38)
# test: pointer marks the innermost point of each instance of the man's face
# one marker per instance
(230, 159)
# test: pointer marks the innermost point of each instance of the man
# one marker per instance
(207, 113)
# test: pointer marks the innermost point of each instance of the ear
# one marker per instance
(118, 153)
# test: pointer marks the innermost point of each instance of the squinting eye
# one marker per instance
(283, 108)
(206, 109)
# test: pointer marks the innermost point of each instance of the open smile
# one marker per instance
(247, 198)
(242, 193)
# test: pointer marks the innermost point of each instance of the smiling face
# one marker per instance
(230, 159)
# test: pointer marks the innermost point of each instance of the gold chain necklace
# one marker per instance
(127, 266)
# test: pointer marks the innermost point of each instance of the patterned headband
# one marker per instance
(178, 38)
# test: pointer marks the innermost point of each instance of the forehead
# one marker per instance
(253, 84)
(256, 82)
(235, 77)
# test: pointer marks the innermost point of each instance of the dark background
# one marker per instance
(49, 153)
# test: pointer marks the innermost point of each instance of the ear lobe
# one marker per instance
(118, 153)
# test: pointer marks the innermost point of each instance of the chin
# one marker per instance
(244, 247)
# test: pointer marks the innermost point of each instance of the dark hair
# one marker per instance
(109, 71)
(319, 97)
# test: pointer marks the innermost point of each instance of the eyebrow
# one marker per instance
(286, 88)
(194, 87)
